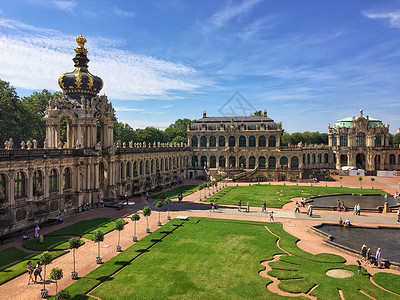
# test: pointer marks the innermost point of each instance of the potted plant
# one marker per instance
(159, 205)
(119, 226)
(168, 202)
(360, 179)
(147, 213)
(258, 178)
(63, 295)
(73, 244)
(45, 259)
(372, 182)
(98, 237)
(135, 217)
(297, 177)
(56, 274)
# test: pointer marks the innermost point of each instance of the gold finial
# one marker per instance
(81, 45)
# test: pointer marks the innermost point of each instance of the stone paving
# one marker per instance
(294, 223)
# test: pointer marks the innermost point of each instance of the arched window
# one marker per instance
(283, 162)
(67, 179)
(128, 170)
(294, 163)
(261, 162)
(252, 141)
(53, 187)
(334, 140)
(147, 168)
(152, 166)
(3, 188)
(272, 141)
(141, 168)
(213, 141)
(392, 159)
(134, 169)
(221, 141)
(203, 142)
(213, 162)
(272, 162)
(313, 158)
(242, 162)
(326, 158)
(242, 141)
(221, 161)
(262, 141)
(319, 158)
(194, 141)
(343, 140)
(232, 141)
(121, 168)
(252, 162)
(19, 185)
(308, 158)
(304, 158)
(203, 161)
(378, 140)
(398, 159)
(360, 139)
(195, 161)
(169, 163)
(37, 183)
(232, 162)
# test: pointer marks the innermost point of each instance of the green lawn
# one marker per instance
(13, 262)
(50, 243)
(173, 193)
(86, 228)
(278, 195)
(220, 259)
(388, 281)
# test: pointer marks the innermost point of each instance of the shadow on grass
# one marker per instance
(122, 262)
(166, 232)
(142, 250)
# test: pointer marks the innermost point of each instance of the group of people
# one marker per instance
(239, 204)
(34, 271)
(340, 206)
(357, 209)
(367, 257)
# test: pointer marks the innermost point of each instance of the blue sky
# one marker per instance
(308, 63)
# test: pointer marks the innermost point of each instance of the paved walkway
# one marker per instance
(294, 223)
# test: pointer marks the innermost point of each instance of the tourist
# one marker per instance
(396, 195)
(378, 257)
(340, 221)
(338, 205)
(239, 205)
(369, 258)
(297, 210)
(343, 207)
(271, 217)
(248, 206)
(355, 209)
(213, 206)
(364, 253)
(25, 237)
(59, 219)
(30, 269)
(358, 209)
(309, 210)
(359, 266)
(36, 234)
(347, 223)
(398, 215)
(126, 198)
(303, 202)
(265, 207)
(262, 208)
(38, 271)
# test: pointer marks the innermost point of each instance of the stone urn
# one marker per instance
(168, 218)
(158, 223)
(98, 260)
(118, 248)
(44, 293)
(74, 274)
(134, 238)
(147, 230)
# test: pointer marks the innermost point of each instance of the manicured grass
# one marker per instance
(271, 194)
(173, 193)
(50, 243)
(86, 228)
(388, 281)
(13, 262)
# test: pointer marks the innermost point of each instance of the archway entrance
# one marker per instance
(343, 160)
(360, 161)
(377, 162)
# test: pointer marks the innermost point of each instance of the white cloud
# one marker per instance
(393, 17)
(65, 5)
(34, 58)
(128, 109)
(230, 12)
(124, 13)
(253, 28)
(135, 124)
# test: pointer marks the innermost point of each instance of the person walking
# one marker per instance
(126, 198)
(364, 253)
(36, 234)
(271, 217)
(264, 207)
(358, 209)
(368, 256)
(355, 209)
(248, 206)
(359, 266)
(38, 271)
(338, 206)
(30, 268)
(239, 205)
(378, 257)
(398, 215)
(297, 210)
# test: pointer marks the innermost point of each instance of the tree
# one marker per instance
(176, 132)
(168, 202)
(135, 217)
(63, 295)
(73, 244)
(124, 132)
(360, 179)
(147, 213)
(150, 135)
(372, 182)
(119, 226)
(297, 177)
(159, 205)
(340, 180)
(56, 274)
(257, 113)
(45, 259)
(396, 138)
(98, 237)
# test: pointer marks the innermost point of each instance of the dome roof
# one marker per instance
(348, 122)
(80, 82)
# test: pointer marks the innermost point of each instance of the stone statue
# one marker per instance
(60, 144)
(124, 145)
(29, 145)
(100, 196)
(77, 144)
(6, 145)
(119, 144)
(38, 188)
(361, 113)
(45, 144)
(10, 144)
(22, 145)
(114, 192)
(34, 144)
(131, 144)
(65, 145)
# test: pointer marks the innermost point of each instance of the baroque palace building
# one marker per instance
(88, 167)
